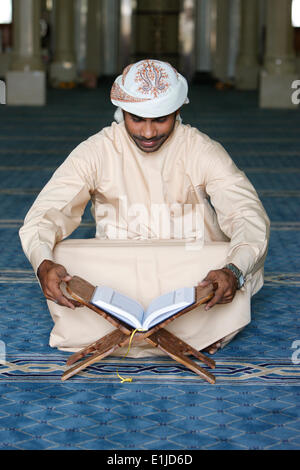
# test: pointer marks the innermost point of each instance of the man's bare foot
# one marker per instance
(213, 348)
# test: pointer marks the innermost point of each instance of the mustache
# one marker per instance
(153, 139)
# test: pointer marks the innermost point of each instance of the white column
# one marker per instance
(126, 33)
(220, 62)
(63, 68)
(279, 70)
(187, 37)
(247, 63)
(26, 76)
(110, 11)
(93, 44)
(204, 28)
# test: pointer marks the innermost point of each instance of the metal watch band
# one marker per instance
(238, 274)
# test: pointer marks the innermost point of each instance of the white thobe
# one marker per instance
(191, 180)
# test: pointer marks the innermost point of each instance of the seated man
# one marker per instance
(149, 157)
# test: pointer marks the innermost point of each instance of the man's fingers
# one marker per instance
(54, 293)
(62, 275)
(76, 303)
(51, 275)
(204, 283)
(219, 299)
(225, 300)
(208, 282)
(216, 298)
(64, 302)
(60, 272)
(210, 278)
(224, 285)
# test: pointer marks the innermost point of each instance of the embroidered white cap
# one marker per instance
(150, 88)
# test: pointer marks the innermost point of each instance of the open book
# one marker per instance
(131, 312)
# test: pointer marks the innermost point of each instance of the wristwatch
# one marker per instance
(238, 274)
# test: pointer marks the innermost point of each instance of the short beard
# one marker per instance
(137, 138)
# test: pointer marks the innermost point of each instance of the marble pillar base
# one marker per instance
(246, 77)
(26, 88)
(62, 72)
(276, 91)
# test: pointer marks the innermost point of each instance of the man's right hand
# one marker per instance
(51, 275)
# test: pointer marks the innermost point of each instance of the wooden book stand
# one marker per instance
(157, 336)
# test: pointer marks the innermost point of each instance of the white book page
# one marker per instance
(167, 305)
(119, 305)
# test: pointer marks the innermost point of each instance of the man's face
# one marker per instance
(149, 133)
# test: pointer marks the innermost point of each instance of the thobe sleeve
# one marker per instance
(240, 213)
(58, 209)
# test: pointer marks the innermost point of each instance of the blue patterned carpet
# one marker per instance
(255, 401)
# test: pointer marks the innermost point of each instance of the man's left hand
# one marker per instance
(226, 283)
